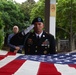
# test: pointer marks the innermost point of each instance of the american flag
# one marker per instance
(20, 64)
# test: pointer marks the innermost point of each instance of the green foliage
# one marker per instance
(11, 14)
(1, 38)
(1, 21)
(15, 14)
(38, 10)
(1, 31)
(26, 8)
(63, 18)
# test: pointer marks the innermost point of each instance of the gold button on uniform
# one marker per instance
(45, 52)
(35, 50)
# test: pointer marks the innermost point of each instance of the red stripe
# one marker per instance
(8, 53)
(11, 53)
(11, 67)
(2, 56)
(47, 69)
(72, 65)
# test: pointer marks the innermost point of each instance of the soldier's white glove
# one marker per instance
(25, 31)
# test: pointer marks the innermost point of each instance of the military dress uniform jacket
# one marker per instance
(41, 46)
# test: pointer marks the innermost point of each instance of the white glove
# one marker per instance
(25, 31)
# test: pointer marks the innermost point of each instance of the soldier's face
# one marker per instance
(38, 27)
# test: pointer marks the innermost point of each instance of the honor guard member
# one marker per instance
(39, 42)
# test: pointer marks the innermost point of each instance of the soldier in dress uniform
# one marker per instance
(39, 42)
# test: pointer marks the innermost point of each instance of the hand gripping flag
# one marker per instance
(19, 64)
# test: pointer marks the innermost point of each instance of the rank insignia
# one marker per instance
(45, 43)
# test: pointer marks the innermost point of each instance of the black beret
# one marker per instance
(38, 19)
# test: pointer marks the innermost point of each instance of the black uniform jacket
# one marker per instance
(42, 46)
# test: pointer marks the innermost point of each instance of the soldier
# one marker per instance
(39, 42)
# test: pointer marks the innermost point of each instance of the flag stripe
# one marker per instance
(2, 56)
(7, 59)
(72, 65)
(11, 67)
(47, 69)
(3, 52)
(20, 64)
(65, 69)
(28, 68)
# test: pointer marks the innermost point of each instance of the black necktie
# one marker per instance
(38, 37)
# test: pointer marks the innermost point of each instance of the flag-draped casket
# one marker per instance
(20, 64)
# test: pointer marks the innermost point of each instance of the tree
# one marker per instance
(1, 31)
(66, 20)
(38, 10)
(26, 8)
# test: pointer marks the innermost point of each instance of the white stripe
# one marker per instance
(7, 59)
(28, 68)
(65, 69)
(3, 52)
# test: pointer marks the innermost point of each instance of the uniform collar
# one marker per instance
(39, 34)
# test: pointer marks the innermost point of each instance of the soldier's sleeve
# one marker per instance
(25, 31)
